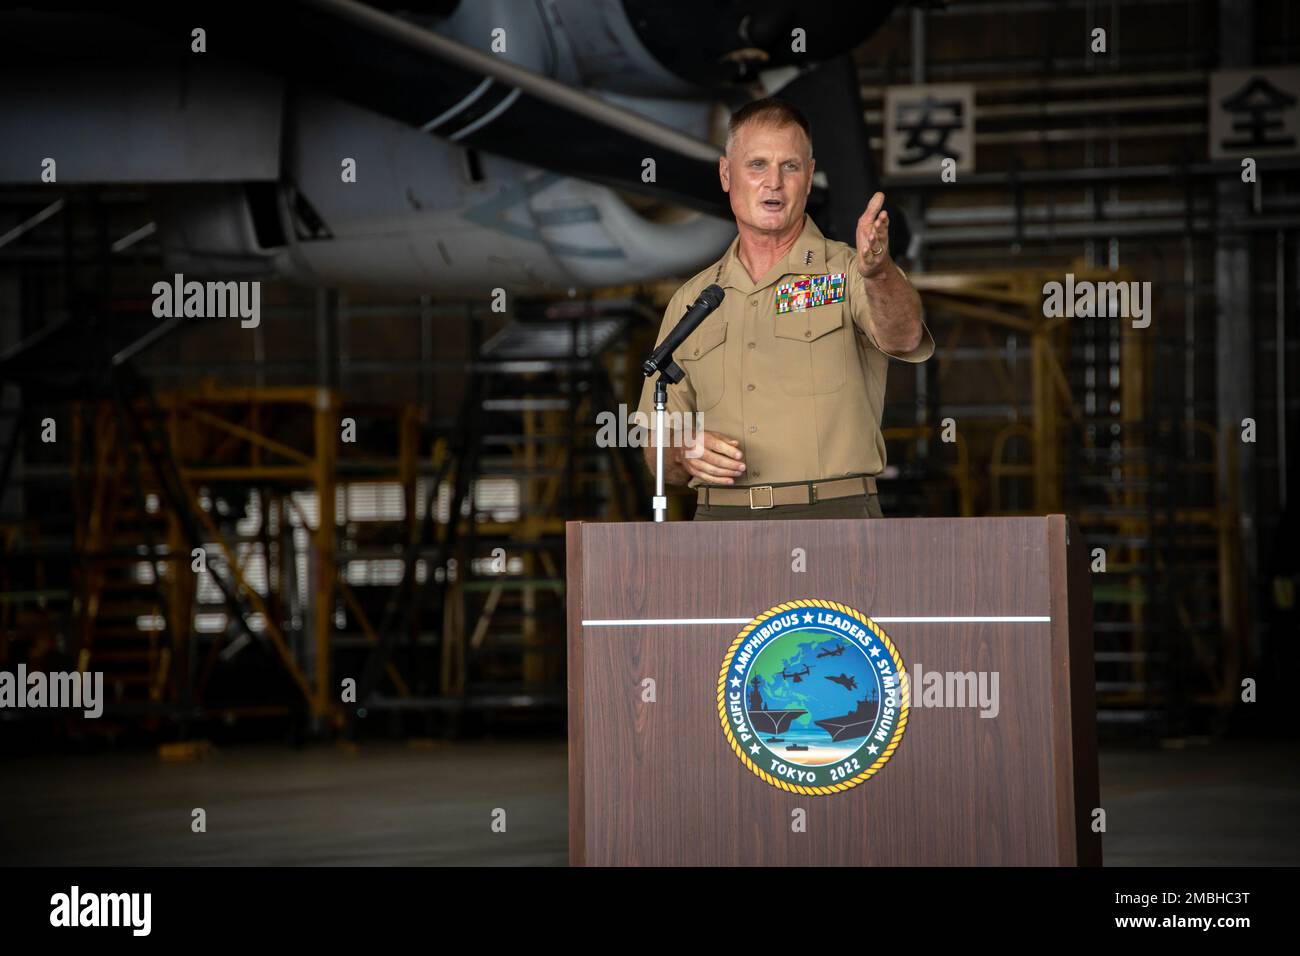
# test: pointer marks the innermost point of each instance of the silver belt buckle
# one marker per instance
(770, 497)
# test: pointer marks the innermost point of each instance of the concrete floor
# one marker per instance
(1226, 804)
(397, 804)
(387, 804)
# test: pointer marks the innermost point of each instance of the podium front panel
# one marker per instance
(653, 610)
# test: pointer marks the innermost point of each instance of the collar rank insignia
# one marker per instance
(808, 292)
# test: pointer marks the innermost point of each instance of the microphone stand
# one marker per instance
(670, 374)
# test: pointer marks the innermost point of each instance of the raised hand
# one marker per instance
(873, 237)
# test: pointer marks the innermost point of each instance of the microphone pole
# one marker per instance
(660, 501)
(670, 373)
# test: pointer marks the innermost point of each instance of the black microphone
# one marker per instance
(662, 356)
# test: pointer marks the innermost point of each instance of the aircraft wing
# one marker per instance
(414, 75)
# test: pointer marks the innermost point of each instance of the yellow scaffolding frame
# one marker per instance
(1013, 299)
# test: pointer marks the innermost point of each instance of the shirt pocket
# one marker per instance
(701, 358)
(810, 346)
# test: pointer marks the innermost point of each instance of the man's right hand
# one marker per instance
(713, 458)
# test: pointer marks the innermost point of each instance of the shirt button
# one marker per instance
(753, 428)
(749, 388)
(806, 335)
(697, 351)
(752, 345)
(754, 303)
(755, 472)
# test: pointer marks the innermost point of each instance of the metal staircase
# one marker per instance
(1091, 416)
(1142, 479)
(522, 461)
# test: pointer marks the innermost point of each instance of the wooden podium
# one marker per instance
(653, 611)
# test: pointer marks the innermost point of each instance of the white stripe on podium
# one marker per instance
(669, 621)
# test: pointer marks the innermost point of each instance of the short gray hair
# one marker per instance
(770, 111)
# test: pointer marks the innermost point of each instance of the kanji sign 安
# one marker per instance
(926, 124)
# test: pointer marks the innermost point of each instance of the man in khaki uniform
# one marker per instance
(788, 373)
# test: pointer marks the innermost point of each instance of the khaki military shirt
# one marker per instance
(802, 390)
